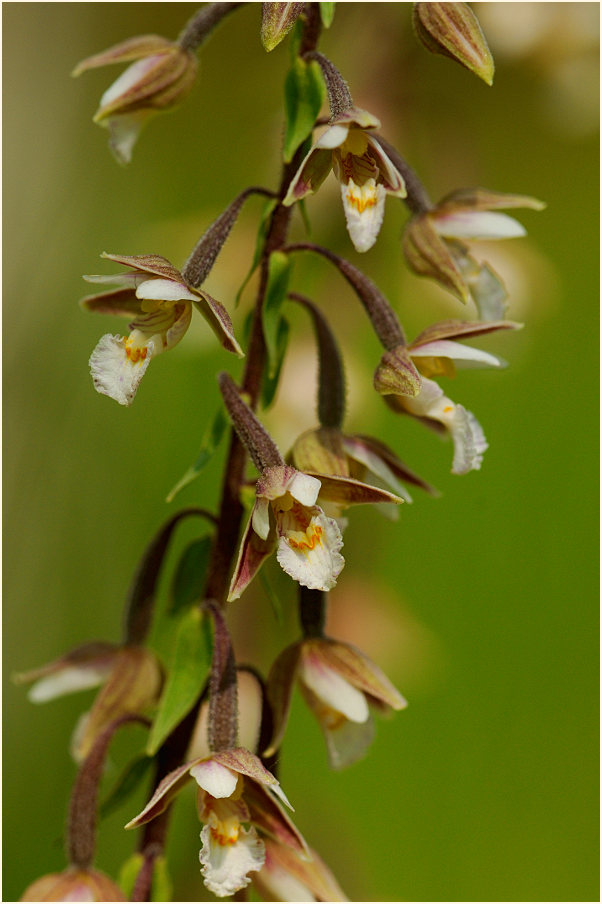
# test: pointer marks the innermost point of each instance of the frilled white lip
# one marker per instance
(364, 208)
(226, 867)
(310, 555)
(113, 373)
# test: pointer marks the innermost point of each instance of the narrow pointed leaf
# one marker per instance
(211, 439)
(279, 269)
(261, 235)
(304, 94)
(189, 578)
(327, 13)
(270, 383)
(188, 674)
(126, 784)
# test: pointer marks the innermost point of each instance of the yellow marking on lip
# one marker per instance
(448, 408)
(223, 839)
(313, 540)
(361, 204)
(135, 355)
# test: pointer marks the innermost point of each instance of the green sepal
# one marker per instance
(304, 94)
(189, 577)
(327, 13)
(270, 384)
(279, 270)
(188, 673)
(129, 873)
(126, 784)
(212, 437)
(261, 236)
(161, 886)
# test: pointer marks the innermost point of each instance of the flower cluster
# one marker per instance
(203, 727)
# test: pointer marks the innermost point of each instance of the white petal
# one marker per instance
(276, 884)
(113, 372)
(261, 517)
(312, 557)
(469, 441)
(333, 689)
(127, 80)
(67, 681)
(429, 402)
(161, 289)
(226, 867)
(478, 224)
(463, 355)
(364, 211)
(215, 779)
(333, 137)
(304, 488)
(124, 129)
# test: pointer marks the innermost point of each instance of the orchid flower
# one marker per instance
(235, 791)
(435, 352)
(338, 683)
(288, 516)
(160, 301)
(161, 76)
(365, 172)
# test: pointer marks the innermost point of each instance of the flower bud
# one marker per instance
(277, 19)
(452, 29)
(74, 884)
(161, 76)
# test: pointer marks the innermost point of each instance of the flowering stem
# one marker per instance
(382, 316)
(312, 611)
(82, 816)
(231, 510)
(331, 374)
(198, 29)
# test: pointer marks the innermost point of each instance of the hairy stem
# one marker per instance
(198, 29)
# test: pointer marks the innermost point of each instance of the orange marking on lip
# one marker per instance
(135, 354)
(360, 204)
(307, 545)
(447, 409)
(222, 839)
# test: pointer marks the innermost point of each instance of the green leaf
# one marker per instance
(272, 597)
(209, 443)
(128, 781)
(302, 207)
(327, 13)
(188, 674)
(129, 873)
(304, 94)
(189, 577)
(279, 270)
(270, 383)
(262, 231)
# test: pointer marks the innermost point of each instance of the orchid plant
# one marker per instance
(208, 721)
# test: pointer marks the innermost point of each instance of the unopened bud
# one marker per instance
(452, 29)
(277, 19)
(396, 374)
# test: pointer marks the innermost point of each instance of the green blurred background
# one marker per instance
(481, 605)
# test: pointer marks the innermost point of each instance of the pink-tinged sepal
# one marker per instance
(374, 457)
(346, 491)
(253, 553)
(74, 884)
(279, 690)
(161, 75)
(270, 817)
(287, 877)
(84, 667)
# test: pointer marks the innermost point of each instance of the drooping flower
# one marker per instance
(160, 78)
(436, 353)
(287, 516)
(160, 301)
(285, 876)
(365, 172)
(235, 791)
(74, 884)
(131, 677)
(327, 450)
(433, 244)
(338, 683)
